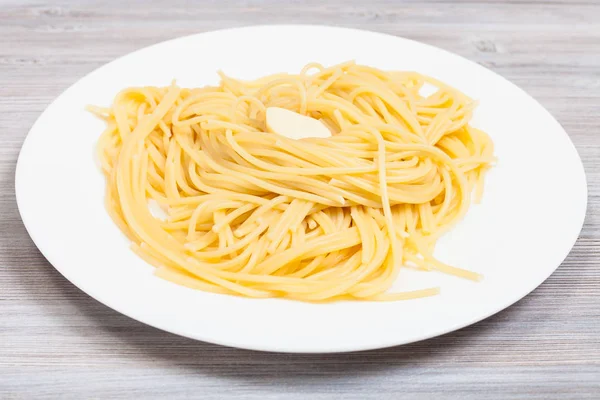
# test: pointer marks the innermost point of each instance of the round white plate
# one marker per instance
(533, 207)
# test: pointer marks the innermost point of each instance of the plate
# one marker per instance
(531, 214)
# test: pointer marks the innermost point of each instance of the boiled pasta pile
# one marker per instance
(255, 213)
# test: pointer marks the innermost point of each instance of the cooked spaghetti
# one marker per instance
(253, 213)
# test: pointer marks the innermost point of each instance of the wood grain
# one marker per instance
(56, 342)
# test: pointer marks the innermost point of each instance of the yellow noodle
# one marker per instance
(256, 214)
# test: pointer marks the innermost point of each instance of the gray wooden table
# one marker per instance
(56, 342)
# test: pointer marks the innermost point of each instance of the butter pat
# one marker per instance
(293, 125)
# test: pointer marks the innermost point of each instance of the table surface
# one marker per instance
(55, 341)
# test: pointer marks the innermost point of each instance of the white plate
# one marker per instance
(532, 211)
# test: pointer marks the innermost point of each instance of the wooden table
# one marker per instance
(56, 342)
